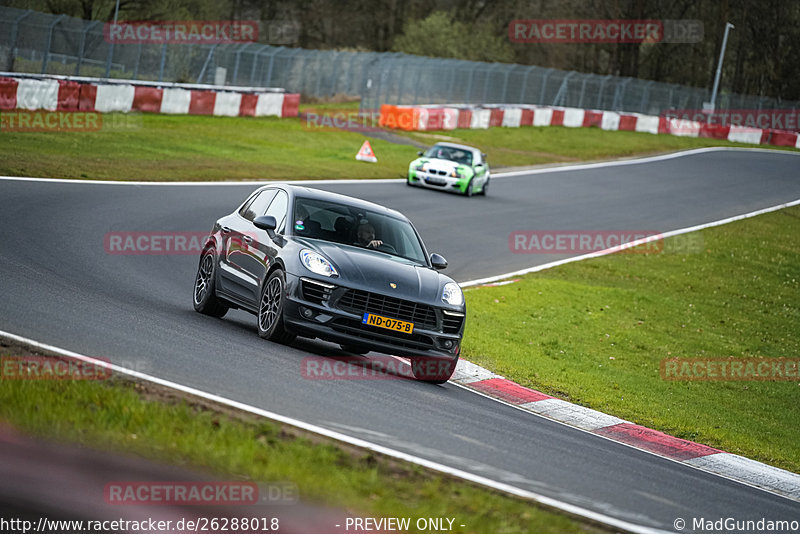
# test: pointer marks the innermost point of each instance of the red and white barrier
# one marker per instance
(514, 116)
(112, 98)
(69, 95)
(37, 94)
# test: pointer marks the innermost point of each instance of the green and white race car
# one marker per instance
(451, 167)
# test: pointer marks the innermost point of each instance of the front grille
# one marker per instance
(451, 324)
(316, 292)
(360, 302)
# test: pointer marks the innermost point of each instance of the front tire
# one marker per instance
(204, 296)
(270, 309)
(433, 370)
(469, 191)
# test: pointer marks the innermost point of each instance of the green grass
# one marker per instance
(152, 422)
(593, 332)
(169, 147)
(559, 144)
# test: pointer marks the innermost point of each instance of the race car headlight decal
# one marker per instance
(457, 173)
(452, 294)
(317, 263)
(420, 167)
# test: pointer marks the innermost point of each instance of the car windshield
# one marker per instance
(450, 152)
(351, 225)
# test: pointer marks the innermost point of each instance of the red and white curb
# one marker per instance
(449, 117)
(53, 93)
(697, 455)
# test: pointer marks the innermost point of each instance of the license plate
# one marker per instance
(387, 323)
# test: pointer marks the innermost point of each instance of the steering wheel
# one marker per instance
(386, 247)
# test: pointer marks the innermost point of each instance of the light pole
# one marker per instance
(713, 103)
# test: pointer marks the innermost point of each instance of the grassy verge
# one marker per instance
(594, 332)
(169, 147)
(153, 422)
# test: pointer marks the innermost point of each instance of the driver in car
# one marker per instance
(366, 236)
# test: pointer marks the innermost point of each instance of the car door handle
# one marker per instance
(225, 230)
(247, 239)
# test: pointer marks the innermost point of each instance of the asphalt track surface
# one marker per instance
(59, 286)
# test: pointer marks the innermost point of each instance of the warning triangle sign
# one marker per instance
(366, 153)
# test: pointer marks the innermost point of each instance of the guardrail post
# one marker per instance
(645, 96)
(525, 84)
(163, 62)
(138, 60)
(486, 80)
(46, 58)
(207, 61)
(82, 46)
(505, 83)
(583, 88)
(239, 51)
(542, 93)
(14, 35)
(563, 89)
(600, 91)
(619, 94)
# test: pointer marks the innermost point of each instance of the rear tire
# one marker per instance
(204, 296)
(270, 309)
(485, 188)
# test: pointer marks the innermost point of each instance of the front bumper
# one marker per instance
(437, 181)
(305, 313)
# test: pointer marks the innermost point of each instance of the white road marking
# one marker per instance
(477, 479)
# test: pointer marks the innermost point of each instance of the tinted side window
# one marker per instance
(278, 209)
(258, 205)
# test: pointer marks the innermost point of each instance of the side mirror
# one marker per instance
(419, 153)
(438, 262)
(265, 222)
(483, 155)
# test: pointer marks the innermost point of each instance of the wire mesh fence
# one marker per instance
(35, 42)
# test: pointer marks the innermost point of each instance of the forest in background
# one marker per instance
(762, 56)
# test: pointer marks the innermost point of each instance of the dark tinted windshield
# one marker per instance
(341, 223)
(452, 153)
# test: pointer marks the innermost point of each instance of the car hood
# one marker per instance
(375, 271)
(441, 164)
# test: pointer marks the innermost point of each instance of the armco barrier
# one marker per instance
(84, 94)
(513, 116)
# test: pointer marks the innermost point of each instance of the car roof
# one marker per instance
(319, 194)
(456, 145)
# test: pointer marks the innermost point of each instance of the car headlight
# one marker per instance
(420, 167)
(317, 263)
(457, 173)
(452, 294)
